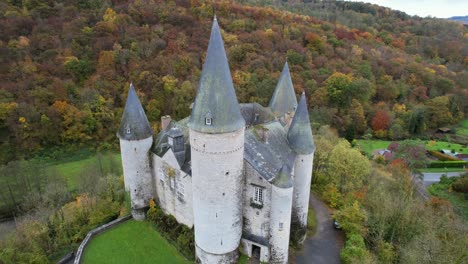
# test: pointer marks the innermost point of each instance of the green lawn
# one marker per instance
(71, 170)
(441, 170)
(131, 242)
(369, 146)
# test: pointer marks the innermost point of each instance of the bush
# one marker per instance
(461, 184)
(448, 164)
(355, 250)
(182, 237)
(442, 156)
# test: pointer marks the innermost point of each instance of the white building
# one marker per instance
(239, 173)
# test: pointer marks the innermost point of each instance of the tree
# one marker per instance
(437, 112)
(338, 88)
(347, 167)
(381, 121)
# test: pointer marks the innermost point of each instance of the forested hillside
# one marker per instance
(66, 65)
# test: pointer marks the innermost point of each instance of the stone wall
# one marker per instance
(95, 232)
(173, 191)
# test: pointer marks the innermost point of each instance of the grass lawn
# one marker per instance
(369, 146)
(71, 170)
(131, 242)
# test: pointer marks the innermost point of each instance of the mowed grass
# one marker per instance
(131, 242)
(369, 146)
(71, 170)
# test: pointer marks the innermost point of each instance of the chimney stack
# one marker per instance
(165, 121)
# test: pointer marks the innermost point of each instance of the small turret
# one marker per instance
(136, 138)
(280, 215)
(301, 142)
(217, 151)
(284, 102)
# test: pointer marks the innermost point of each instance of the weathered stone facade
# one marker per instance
(238, 173)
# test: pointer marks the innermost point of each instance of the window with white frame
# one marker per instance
(208, 121)
(258, 195)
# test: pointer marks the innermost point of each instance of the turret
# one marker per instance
(136, 138)
(302, 143)
(283, 103)
(280, 215)
(217, 149)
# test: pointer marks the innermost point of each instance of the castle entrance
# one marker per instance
(255, 252)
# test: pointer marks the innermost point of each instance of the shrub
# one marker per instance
(461, 184)
(448, 164)
(442, 156)
(355, 250)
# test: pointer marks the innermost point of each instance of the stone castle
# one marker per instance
(239, 173)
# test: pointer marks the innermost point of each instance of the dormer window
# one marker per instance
(208, 119)
(127, 130)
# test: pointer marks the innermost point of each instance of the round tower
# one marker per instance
(136, 138)
(217, 152)
(301, 141)
(280, 216)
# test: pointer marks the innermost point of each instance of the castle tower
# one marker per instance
(283, 103)
(302, 142)
(136, 138)
(217, 149)
(280, 216)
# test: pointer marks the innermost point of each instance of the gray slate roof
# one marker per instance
(283, 179)
(268, 157)
(254, 114)
(134, 119)
(300, 133)
(216, 95)
(284, 98)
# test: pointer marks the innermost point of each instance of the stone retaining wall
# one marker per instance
(95, 232)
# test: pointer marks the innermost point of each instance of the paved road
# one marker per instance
(433, 177)
(324, 247)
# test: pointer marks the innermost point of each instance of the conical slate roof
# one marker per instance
(284, 99)
(300, 133)
(134, 124)
(283, 179)
(216, 98)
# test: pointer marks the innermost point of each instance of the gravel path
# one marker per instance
(324, 247)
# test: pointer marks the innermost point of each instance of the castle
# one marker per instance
(239, 173)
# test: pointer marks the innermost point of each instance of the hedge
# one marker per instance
(448, 164)
(442, 156)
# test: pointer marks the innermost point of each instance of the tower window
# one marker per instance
(127, 130)
(258, 195)
(208, 121)
(281, 226)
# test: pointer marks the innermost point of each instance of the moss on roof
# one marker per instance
(283, 178)
(284, 98)
(300, 133)
(134, 124)
(216, 98)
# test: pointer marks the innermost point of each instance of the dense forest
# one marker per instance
(366, 70)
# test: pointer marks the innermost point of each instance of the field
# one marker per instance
(131, 242)
(369, 146)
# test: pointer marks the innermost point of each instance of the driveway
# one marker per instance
(324, 247)
(433, 177)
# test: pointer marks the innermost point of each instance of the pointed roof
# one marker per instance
(283, 179)
(216, 98)
(300, 133)
(134, 124)
(284, 98)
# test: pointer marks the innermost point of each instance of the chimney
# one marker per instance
(263, 134)
(165, 121)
